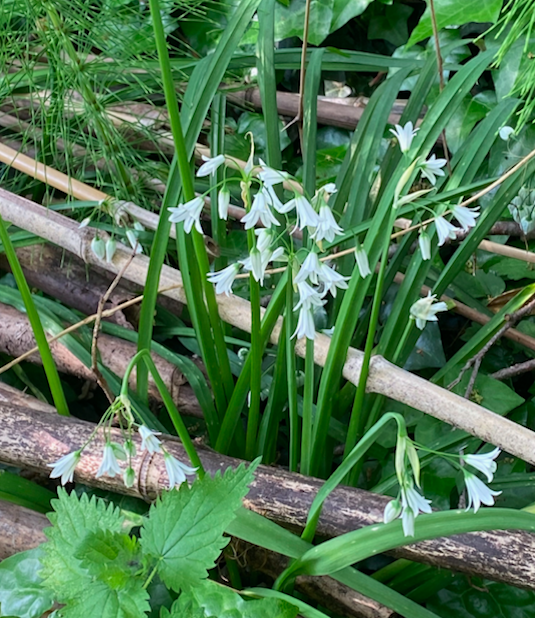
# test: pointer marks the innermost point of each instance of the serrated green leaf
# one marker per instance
(184, 531)
(456, 13)
(110, 557)
(211, 600)
(72, 520)
(21, 591)
(100, 601)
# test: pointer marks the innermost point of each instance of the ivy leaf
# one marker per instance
(211, 600)
(72, 520)
(110, 557)
(21, 591)
(456, 13)
(184, 531)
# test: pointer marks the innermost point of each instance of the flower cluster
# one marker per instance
(264, 214)
(105, 249)
(410, 502)
(113, 452)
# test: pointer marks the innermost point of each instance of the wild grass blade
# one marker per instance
(54, 382)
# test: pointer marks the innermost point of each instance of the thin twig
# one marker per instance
(514, 370)
(84, 322)
(302, 73)
(475, 362)
(440, 67)
(101, 380)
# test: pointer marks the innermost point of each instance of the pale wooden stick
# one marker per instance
(385, 378)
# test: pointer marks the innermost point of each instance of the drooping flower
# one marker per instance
(407, 520)
(331, 279)
(433, 168)
(466, 216)
(305, 324)
(308, 296)
(129, 476)
(306, 215)
(258, 261)
(84, 222)
(111, 247)
(445, 230)
(484, 462)
(64, 467)
(392, 511)
(264, 238)
(210, 165)
(424, 241)
(224, 279)
(327, 227)
(260, 211)
(425, 310)
(506, 132)
(176, 470)
(98, 247)
(362, 261)
(109, 464)
(223, 201)
(270, 176)
(329, 188)
(189, 213)
(478, 492)
(132, 238)
(149, 441)
(310, 269)
(412, 504)
(404, 135)
(273, 199)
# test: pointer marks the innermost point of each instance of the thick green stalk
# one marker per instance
(255, 352)
(174, 414)
(219, 372)
(232, 415)
(356, 421)
(290, 373)
(356, 454)
(308, 399)
(49, 365)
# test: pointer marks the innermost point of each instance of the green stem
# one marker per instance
(256, 368)
(357, 419)
(290, 373)
(49, 365)
(308, 398)
(356, 454)
(174, 414)
(232, 415)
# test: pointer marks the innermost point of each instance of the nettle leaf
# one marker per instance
(21, 587)
(100, 601)
(456, 13)
(110, 557)
(184, 531)
(72, 520)
(211, 599)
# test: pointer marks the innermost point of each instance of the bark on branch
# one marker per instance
(31, 437)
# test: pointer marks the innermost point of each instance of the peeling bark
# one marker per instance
(32, 439)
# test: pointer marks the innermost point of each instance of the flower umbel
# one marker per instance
(425, 310)
(64, 467)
